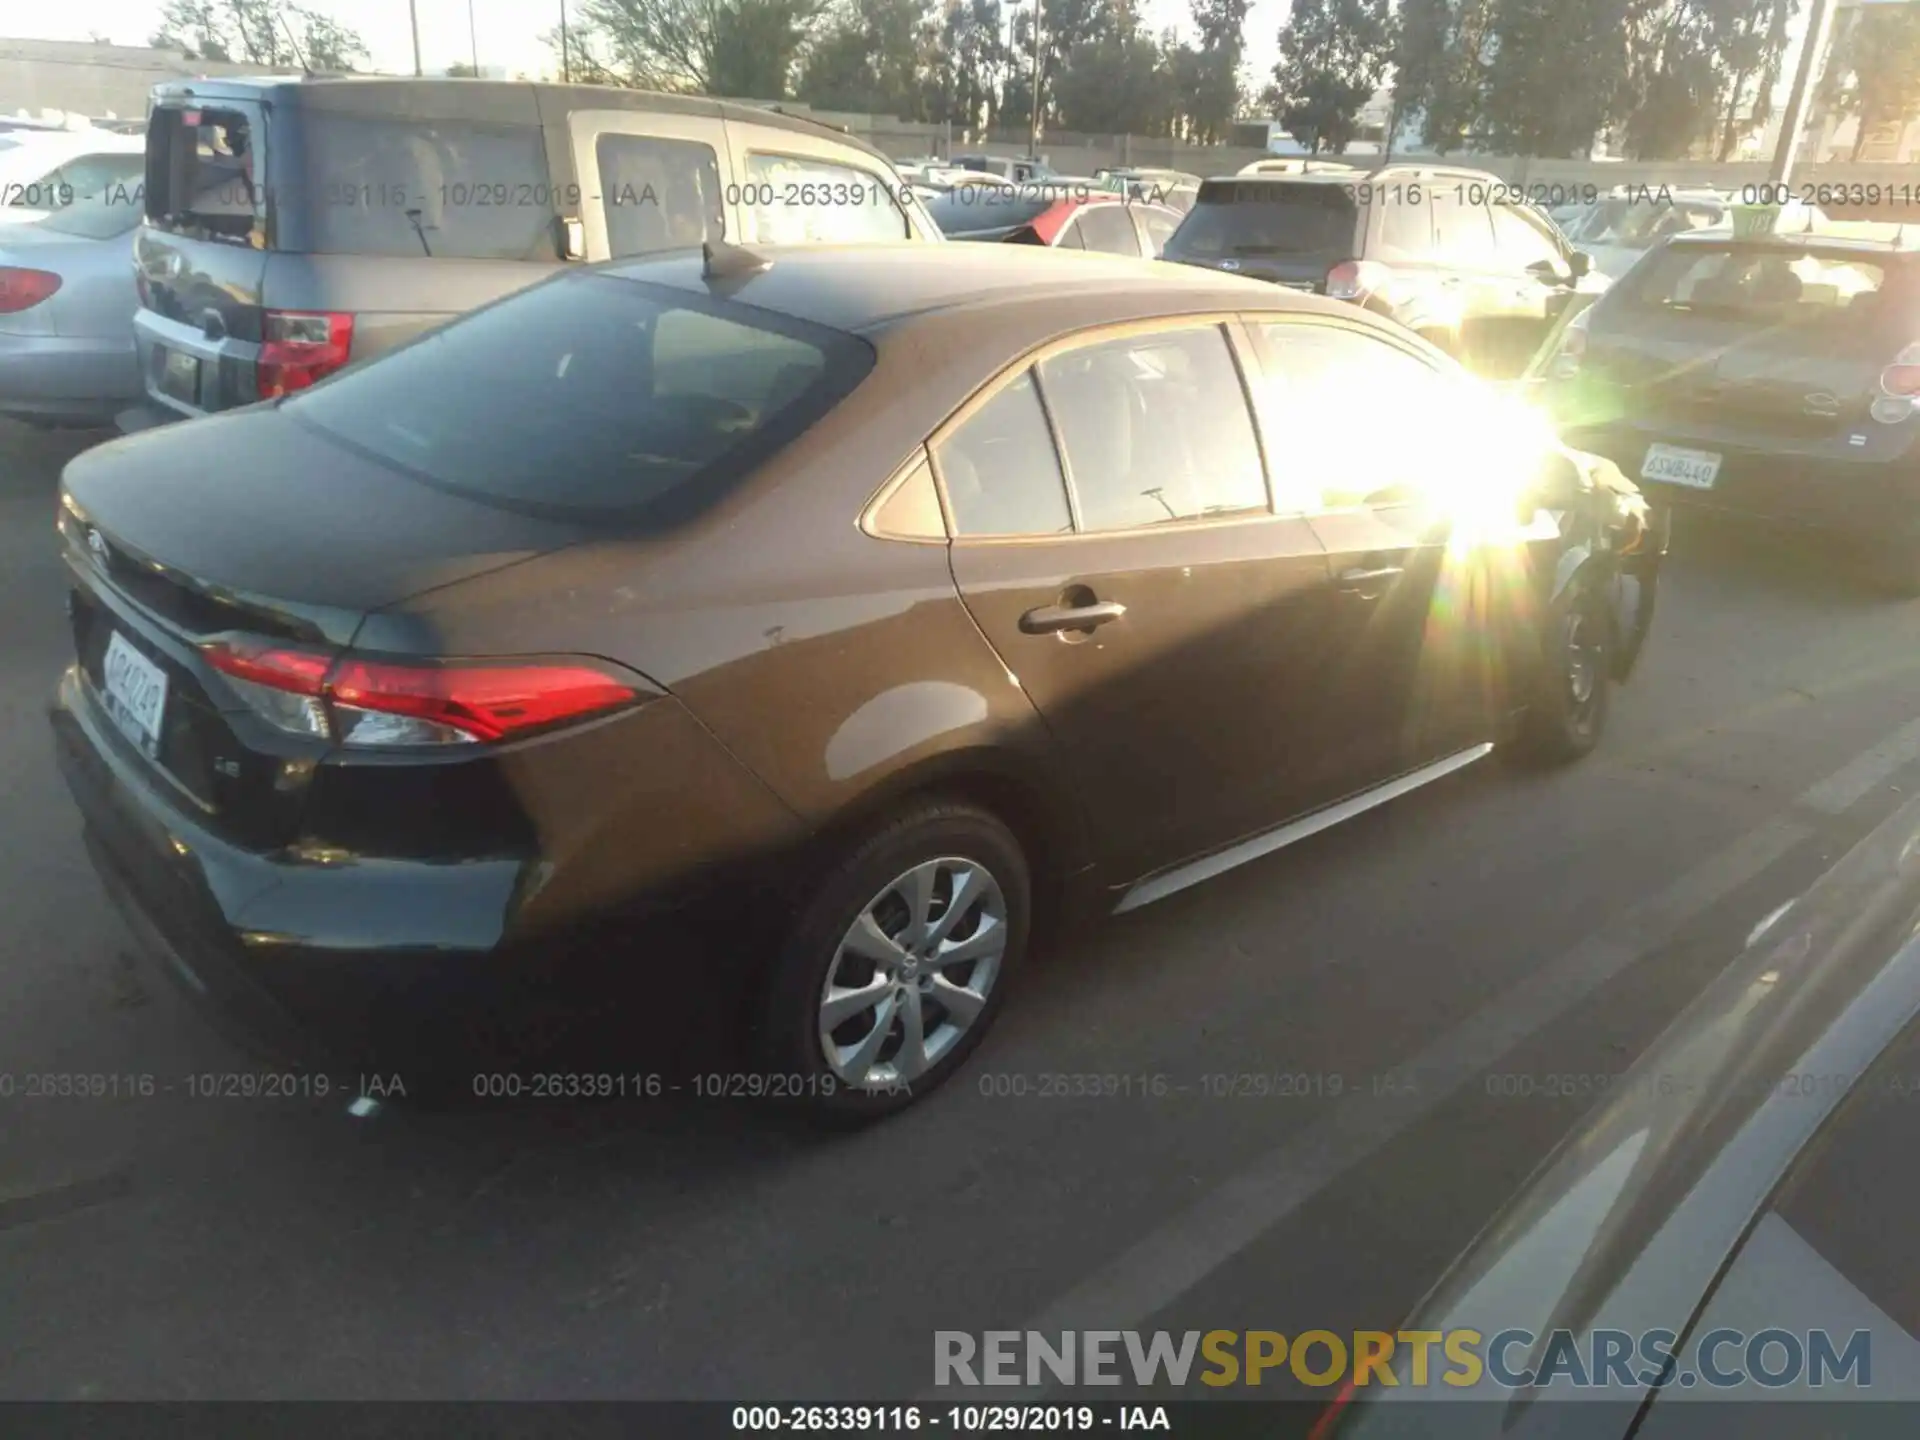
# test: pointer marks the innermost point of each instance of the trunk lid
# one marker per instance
(186, 533)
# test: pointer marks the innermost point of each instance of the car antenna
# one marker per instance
(305, 69)
(721, 261)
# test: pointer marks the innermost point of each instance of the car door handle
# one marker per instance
(1051, 619)
(1368, 579)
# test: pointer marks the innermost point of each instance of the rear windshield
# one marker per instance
(202, 177)
(377, 186)
(98, 217)
(591, 393)
(1766, 285)
(1264, 219)
(1636, 224)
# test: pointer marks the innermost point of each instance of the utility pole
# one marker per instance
(473, 40)
(413, 14)
(1033, 129)
(1812, 52)
(566, 54)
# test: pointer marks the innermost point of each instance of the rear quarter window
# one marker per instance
(445, 189)
(591, 393)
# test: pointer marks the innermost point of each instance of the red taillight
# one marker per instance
(1357, 279)
(299, 672)
(1902, 377)
(482, 702)
(370, 702)
(1328, 1425)
(299, 347)
(22, 289)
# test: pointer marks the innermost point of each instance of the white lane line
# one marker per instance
(1181, 1252)
(1849, 785)
(1212, 1231)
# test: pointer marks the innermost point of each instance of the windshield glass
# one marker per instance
(591, 393)
(100, 216)
(1267, 219)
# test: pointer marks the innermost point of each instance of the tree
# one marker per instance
(1442, 52)
(460, 70)
(1208, 78)
(259, 32)
(1115, 84)
(1533, 102)
(1751, 56)
(875, 56)
(745, 48)
(1333, 55)
(1873, 72)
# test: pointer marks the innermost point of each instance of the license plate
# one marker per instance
(1695, 468)
(180, 376)
(135, 692)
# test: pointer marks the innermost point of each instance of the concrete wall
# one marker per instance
(94, 80)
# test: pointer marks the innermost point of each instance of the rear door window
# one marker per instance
(1000, 470)
(1156, 428)
(1406, 226)
(1522, 243)
(787, 199)
(1156, 227)
(591, 393)
(1463, 232)
(1107, 228)
(446, 189)
(658, 194)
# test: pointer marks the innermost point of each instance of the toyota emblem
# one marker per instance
(97, 543)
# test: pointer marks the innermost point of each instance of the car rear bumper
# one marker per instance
(51, 377)
(1876, 496)
(343, 964)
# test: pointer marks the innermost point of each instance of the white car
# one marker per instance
(46, 170)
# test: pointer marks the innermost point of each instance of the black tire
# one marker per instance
(1573, 689)
(787, 1044)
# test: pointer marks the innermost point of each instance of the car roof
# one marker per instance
(502, 101)
(865, 289)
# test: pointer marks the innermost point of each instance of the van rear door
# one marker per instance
(350, 219)
(200, 259)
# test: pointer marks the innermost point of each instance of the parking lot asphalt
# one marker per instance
(1427, 976)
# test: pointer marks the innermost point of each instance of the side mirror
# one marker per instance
(1579, 264)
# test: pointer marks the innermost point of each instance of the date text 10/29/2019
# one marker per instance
(955, 1419)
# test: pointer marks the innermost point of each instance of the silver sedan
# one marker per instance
(67, 301)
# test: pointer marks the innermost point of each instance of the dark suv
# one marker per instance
(295, 225)
(1443, 251)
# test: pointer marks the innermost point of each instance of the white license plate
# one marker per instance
(135, 691)
(1696, 468)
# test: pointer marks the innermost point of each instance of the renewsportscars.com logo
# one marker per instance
(1455, 1359)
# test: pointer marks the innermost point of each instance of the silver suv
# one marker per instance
(295, 225)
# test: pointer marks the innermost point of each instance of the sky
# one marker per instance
(505, 32)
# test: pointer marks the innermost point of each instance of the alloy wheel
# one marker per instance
(912, 973)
